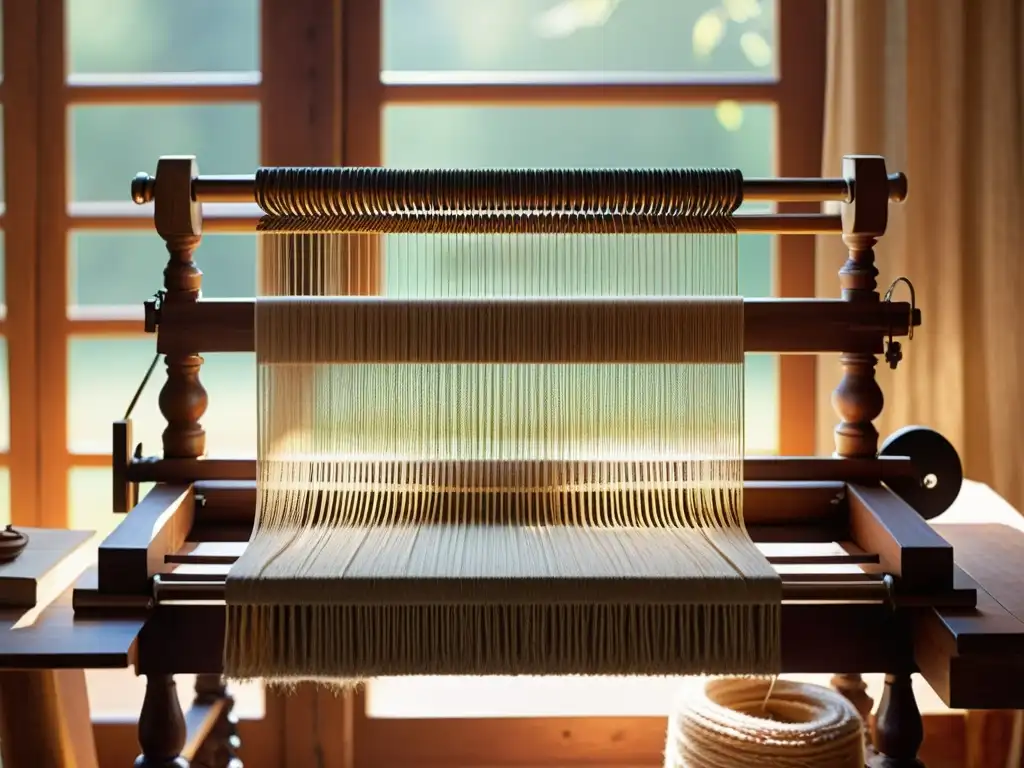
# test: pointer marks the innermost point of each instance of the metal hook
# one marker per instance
(893, 349)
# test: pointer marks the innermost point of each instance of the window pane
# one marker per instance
(128, 36)
(593, 137)
(581, 137)
(126, 268)
(110, 144)
(91, 500)
(590, 36)
(103, 374)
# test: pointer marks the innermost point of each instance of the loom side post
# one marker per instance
(183, 402)
(858, 399)
(179, 221)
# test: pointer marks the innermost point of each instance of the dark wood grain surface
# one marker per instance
(54, 638)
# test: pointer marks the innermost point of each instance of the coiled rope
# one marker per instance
(740, 722)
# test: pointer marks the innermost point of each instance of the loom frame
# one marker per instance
(873, 623)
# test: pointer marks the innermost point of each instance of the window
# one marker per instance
(513, 83)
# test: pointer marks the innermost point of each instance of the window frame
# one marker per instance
(19, 92)
(319, 90)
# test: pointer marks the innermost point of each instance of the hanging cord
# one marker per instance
(893, 348)
(768, 695)
(142, 386)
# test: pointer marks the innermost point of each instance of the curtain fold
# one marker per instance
(938, 88)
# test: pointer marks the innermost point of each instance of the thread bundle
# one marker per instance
(738, 722)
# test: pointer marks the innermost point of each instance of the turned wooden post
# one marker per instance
(178, 219)
(219, 750)
(858, 398)
(899, 730)
(161, 725)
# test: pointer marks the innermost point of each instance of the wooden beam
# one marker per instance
(755, 468)
(908, 546)
(784, 555)
(427, 88)
(302, 78)
(52, 371)
(50, 562)
(816, 638)
(134, 551)
(23, 144)
(765, 503)
(770, 325)
(172, 89)
(798, 138)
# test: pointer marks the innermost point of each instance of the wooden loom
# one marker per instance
(869, 585)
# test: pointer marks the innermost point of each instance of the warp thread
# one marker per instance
(437, 498)
(734, 722)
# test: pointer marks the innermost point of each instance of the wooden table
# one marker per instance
(44, 706)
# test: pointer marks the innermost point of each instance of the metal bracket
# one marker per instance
(151, 310)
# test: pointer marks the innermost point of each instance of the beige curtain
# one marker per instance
(937, 86)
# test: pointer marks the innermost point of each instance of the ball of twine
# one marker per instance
(734, 722)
